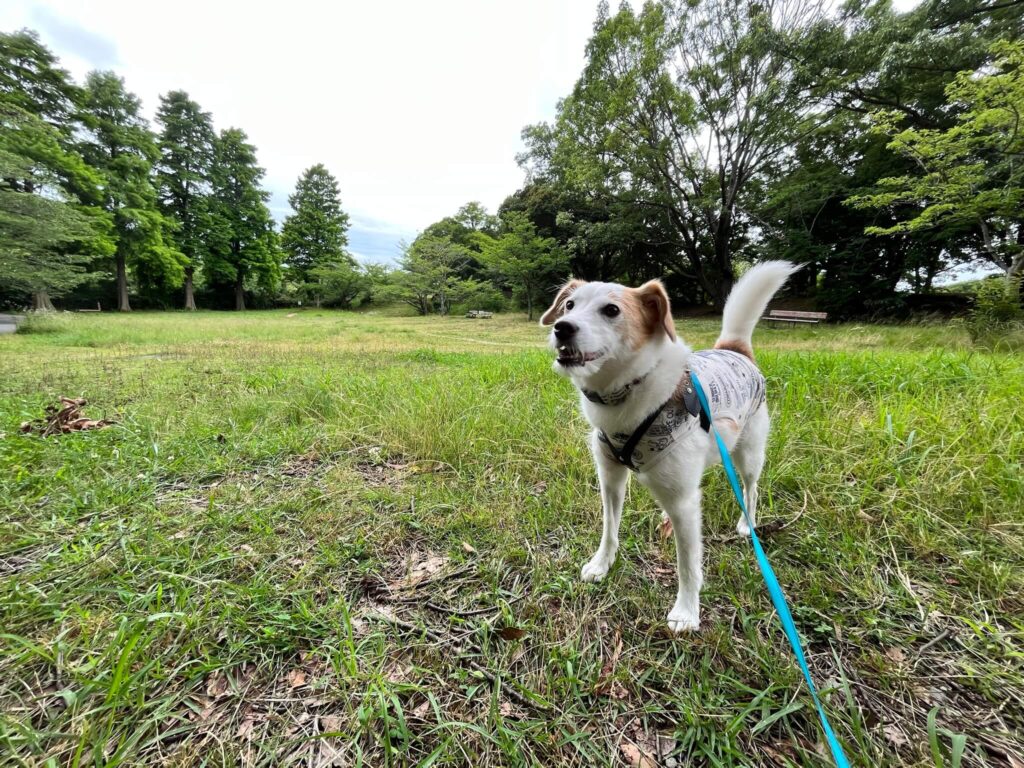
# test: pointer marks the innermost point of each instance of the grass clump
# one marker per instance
(44, 322)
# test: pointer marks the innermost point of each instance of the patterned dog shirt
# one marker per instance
(735, 390)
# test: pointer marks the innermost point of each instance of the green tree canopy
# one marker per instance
(119, 144)
(47, 238)
(244, 244)
(518, 257)
(970, 175)
(680, 108)
(184, 179)
(314, 236)
(31, 81)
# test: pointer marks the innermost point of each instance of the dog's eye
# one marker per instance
(569, 305)
(610, 310)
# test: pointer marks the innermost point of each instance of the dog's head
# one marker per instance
(605, 327)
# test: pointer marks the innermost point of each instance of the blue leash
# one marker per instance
(774, 588)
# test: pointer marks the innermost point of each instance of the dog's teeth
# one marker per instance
(561, 348)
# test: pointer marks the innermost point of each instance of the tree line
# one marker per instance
(88, 191)
(882, 149)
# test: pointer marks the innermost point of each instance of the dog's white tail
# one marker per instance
(747, 302)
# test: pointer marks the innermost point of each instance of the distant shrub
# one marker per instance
(44, 322)
(997, 320)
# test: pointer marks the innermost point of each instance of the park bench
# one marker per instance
(793, 317)
(98, 309)
(476, 314)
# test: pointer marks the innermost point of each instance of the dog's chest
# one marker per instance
(735, 389)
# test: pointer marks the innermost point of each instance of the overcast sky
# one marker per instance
(416, 107)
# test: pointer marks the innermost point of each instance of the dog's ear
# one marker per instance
(657, 310)
(558, 306)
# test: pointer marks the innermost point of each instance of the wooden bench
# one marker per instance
(478, 313)
(98, 309)
(793, 317)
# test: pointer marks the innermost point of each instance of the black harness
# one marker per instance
(685, 392)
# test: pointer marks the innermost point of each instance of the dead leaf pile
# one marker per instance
(67, 417)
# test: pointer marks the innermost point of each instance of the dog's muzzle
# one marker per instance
(569, 356)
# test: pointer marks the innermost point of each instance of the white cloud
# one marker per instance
(415, 107)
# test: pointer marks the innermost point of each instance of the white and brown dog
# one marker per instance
(618, 345)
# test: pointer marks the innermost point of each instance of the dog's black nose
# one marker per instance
(564, 330)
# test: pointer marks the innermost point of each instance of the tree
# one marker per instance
(873, 58)
(428, 279)
(475, 218)
(31, 81)
(532, 265)
(119, 144)
(183, 177)
(680, 108)
(243, 242)
(344, 284)
(47, 237)
(314, 236)
(969, 175)
(50, 231)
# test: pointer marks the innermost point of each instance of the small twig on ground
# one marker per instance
(474, 612)
(937, 639)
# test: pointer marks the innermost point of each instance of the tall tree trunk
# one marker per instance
(41, 302)
(190, 298)
(122, 285)
(529, 304)
(239, 291)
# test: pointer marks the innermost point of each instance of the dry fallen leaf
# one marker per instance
(245, 729)
(399, 674)
(511, 633)
(895, 655)
(216, 685)
(331, 723)
(422, 710)
(618, 691)
(296, 678)
(468, 548)
(635, 757)
(422, 566)
(507, 710)
(665, 527)
(896, 736)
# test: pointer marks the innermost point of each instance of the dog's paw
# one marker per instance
(597, 568)
(742, 528)
(683, 620)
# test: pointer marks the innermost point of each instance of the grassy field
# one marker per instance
(340, 539)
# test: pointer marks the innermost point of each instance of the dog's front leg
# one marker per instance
(684, 512)
(613, 478)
